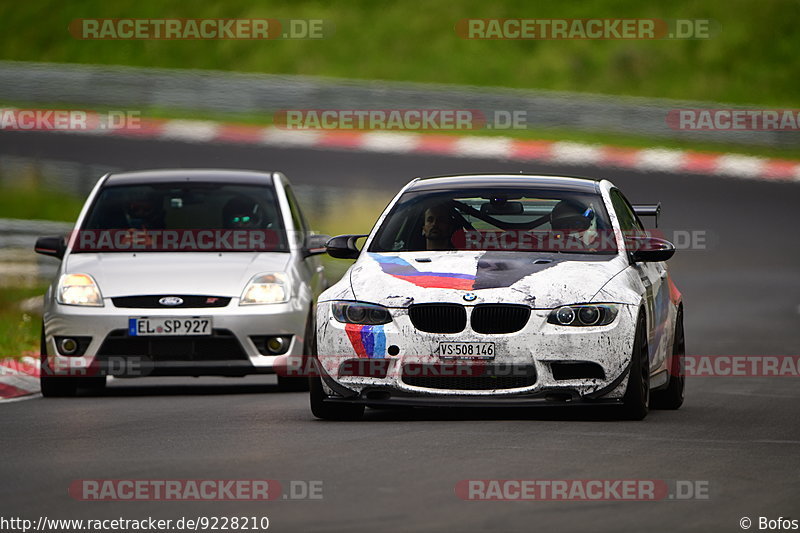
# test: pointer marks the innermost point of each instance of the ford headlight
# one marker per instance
(583, 315)
(269, 288)
(360, 313)
(78, 289)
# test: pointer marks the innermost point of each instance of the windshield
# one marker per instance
(532, 220)
(183, 217)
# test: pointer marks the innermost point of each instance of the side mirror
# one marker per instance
(344, 246)
(52, 246)
(315, 245)
(651, 249)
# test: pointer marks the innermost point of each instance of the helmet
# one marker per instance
(242, 212)
(569, 215)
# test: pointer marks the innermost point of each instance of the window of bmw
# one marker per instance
(628, 221)
(497, 219)
(195, 216)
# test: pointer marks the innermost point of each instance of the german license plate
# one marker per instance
(165, 325)
(466, 350)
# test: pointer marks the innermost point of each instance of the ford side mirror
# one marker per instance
(52, 246)
(315, 244)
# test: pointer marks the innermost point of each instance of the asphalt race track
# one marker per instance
(397, 470)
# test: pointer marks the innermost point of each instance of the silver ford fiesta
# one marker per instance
(181, 273)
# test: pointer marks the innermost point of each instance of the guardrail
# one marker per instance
(71, 177)
(135, 88)
(17, 233)
(19, 264)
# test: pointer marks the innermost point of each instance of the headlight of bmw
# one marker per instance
(583, 315)
(78, 289)
(360, 313)
(267, 288)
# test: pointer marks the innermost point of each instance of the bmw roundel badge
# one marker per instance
(470, 297)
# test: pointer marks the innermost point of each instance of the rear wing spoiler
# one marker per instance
(648, 210)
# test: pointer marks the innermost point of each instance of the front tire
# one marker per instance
(636, 402)
(672, 396)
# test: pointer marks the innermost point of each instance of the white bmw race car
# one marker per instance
(502, 290)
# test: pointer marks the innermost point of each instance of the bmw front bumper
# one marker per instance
(540, 363)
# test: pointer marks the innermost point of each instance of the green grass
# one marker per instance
(752, 59)
(30, 202)
(19, 331)
(354, 214)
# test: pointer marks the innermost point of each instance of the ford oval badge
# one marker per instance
(171, 300)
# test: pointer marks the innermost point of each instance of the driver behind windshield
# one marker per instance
(439, 224)
(497, 219)
(144, 212)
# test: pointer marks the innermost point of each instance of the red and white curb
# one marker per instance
(470, 146)
(18, 378)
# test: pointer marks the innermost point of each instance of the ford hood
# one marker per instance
(219, 274)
